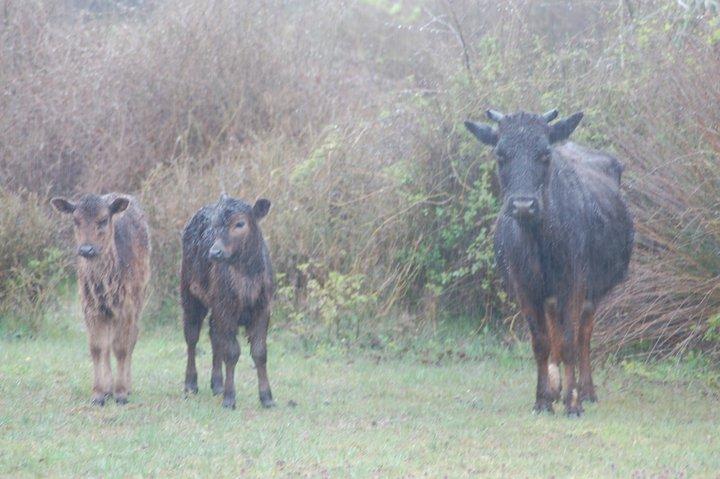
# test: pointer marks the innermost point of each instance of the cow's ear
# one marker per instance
(118, 205)
(62, 205)
(485, 133)
(562, 130)
(261, 208)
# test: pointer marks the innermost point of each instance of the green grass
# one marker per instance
(345, 413)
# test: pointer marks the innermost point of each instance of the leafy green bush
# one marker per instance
(31, 262)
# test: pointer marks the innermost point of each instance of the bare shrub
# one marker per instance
(347, 115)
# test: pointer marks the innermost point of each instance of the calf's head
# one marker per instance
(235, 226)
(522, 144)
(93, 219)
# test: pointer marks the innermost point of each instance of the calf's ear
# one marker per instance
(485, 133)
(62, 205)
(563, 129)
(261, 208)
(118, 205)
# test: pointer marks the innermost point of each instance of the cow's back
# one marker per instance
(584, 157)
(589, 231)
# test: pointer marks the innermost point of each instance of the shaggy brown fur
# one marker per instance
(113, 269)
(226, 269)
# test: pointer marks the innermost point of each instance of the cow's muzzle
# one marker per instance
(524, 208)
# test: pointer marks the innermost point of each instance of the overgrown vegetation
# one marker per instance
(349, 118)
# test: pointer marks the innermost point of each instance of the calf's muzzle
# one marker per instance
(87, 251)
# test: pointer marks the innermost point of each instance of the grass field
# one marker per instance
(348, 413)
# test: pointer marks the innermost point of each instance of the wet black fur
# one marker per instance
(583, 236)
(237, 291)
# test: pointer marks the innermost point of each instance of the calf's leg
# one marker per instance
(123, 345)
(231, 353)
(216, 376)
(99, 338)
(257, 335)
(193, 314)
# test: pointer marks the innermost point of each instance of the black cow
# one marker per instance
(562, 241)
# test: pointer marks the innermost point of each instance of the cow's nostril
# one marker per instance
(524, 207)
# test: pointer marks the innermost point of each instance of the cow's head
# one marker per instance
(235, 225)
(93, 219)
(522, 143)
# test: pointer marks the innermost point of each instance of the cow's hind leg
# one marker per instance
(99, 337)
(587, 322)
(193, 314)
(257, 335)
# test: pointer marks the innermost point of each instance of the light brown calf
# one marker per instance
(113, 269)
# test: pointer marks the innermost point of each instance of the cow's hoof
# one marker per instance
(228, 403)
(266, 399)
(191, 388)
(589, 396)
(121, 400)
(216, 385)
(542, 406)
(574, 409)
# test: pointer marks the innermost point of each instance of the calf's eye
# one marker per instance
(102, 223)
(239, 224)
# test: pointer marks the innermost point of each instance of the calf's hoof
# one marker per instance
(121, 400)
(99, 399)
(191, 388)
(266, 399)
(228, 402)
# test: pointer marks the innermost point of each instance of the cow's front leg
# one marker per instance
(555, 334)
(541, 350)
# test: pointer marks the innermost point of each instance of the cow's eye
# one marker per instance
(102, 223)
(239, 224)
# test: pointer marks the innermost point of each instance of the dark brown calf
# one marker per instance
(113, 269)
(226, 270)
